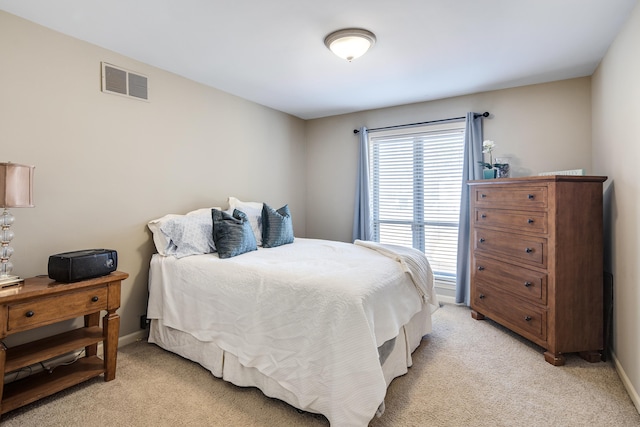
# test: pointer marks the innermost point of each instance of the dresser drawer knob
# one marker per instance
(528, 250)
(527, 318)
(530, 221)
(481, 240)
(483, 196)
(29, 313)
(527, 284)
(481, 296)
(480, 268)
(531, 196)
(95, 299)
(483, 216)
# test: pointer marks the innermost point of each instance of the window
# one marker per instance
(415, 184)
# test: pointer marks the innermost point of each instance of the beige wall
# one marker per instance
(616, 153)
(106, 164)
(543, 127)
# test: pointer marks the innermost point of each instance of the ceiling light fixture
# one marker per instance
(350, 43)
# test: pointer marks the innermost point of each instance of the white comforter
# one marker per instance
(310, 315)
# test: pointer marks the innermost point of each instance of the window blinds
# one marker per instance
(416, 181)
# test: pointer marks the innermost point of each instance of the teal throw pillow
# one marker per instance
(277, 227)
(232, 234)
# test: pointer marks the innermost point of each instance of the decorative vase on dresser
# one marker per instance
(489, 173)
(537, 260)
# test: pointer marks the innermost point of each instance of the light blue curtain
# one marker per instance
(362, 211)
(471, 169)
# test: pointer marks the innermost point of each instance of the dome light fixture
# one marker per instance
(350, 43)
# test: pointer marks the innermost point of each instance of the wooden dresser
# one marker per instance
(536, 246)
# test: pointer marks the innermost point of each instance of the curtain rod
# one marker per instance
(475, 116)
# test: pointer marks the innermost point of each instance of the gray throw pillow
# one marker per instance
(232, 234)
(277, 227)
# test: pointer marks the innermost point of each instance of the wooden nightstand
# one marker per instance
(41, 301)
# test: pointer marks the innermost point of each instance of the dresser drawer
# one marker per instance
(522, 317)
(515, 198)
(535, 222)
(528, 249)
(45, 311)
(529, 284)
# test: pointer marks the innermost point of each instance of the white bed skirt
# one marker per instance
(226, 366)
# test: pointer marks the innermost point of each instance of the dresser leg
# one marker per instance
(477, 315)
(554, 359)
(592, 356)
(111, 325)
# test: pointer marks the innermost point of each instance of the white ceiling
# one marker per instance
(272, 51)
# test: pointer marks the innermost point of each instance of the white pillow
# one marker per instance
(162, 241)
(184, 235)
(253, 210)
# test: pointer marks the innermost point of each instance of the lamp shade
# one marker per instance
(16, 185)
(350, 43)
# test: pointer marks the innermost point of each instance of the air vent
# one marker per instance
(120, 81)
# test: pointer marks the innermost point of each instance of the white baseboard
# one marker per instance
(134, 337)
(128, 339)
(633, 393)
(445, 299)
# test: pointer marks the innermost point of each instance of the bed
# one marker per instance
(324, 326)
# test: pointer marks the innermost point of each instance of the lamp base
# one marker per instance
(6, 281)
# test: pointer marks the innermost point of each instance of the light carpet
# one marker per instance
(466, 372)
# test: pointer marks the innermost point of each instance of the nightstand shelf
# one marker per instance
(44, 384)
(47, 348)
(41, 301)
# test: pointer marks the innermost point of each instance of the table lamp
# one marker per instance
(16, 191)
